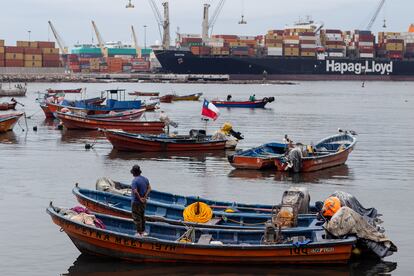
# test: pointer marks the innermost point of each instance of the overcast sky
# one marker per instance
(72, 17)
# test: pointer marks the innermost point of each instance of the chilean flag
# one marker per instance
(210, 110)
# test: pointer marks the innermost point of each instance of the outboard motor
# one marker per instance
(268, 99)
(299, 197)
(294, 159)
(198, 133)
(236, 135)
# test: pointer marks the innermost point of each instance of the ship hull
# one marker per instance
(285, 68)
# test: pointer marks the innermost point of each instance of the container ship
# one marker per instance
(301, 52)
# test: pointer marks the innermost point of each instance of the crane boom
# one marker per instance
(157, 15)
(59, 40)
(215, 15)
(134, 38)
(100, 40)
(374, 17)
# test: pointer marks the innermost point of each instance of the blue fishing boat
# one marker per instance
(258, 158)
(171, 243)
(230, 217)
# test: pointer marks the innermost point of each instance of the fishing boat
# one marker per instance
(50, 107)
(329, 152)
(125, 141)
(164, 99)
(72, 121)
(230, 216)
(144, 94)
(8, 121)
(8, 106)
(172, 243)
(65, 91)
(18, 90)
(123, 115)
(258, 158)
(244, 104)
(191, 97)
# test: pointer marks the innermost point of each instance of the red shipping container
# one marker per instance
(32, 51)
(45, 44)
(1, 57)
(13, 49)
(1, 63)
(50, 57)
(14, 63)
(51, 63)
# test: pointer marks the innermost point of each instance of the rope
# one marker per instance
(197, 212)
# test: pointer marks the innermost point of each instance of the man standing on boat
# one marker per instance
(140, 191)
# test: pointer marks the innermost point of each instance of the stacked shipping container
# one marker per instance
(29, 54)
(364, 44)
(333, 42)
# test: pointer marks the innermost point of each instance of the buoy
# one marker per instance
(88, 146)
(35, 128)
(60, 127)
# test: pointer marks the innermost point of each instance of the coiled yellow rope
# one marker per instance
(197, 212)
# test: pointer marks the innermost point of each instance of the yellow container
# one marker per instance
(1, 50)
(50, 50)
(32, 63)
(14, 56)
(1, 42)
(33, 57)
(23, 43)
(32, 44)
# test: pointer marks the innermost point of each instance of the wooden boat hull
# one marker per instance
(240, 104)
(164, 99)
(8, 121)
(125, 142)
(193, 97)
(252, 163)
(120, 245)
(8, 106)
(66, 91)
(124, 115)
(316, 162)
(81, 122)
(144, 94)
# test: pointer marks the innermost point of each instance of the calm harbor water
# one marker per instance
(36, 167)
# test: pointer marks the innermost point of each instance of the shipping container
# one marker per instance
(32, 57)
(50, 50)
(14, 63)
(32, 51)
(1, 42)
(14, 56)
(13, 49)
(51, 57)
(1, 50)
(45, 44)
(33, 63)
(51, 63)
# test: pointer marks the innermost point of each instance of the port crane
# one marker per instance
(63, 49)
(101, 43)
(374, 17)
(208, 23)
(129, 5)
(242, 21)
(134, 38)
(163, 22)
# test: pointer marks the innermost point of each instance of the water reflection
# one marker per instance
(8, 137)
(185, 155)
(339, 172)
(80, 136)
(90, 265)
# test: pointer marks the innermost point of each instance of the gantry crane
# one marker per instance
(208, 23)
(59, 40)
(134, 38)
(101, 43)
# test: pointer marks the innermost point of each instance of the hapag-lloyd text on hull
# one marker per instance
(358, 68)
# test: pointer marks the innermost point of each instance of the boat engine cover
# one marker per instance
(298, 197)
